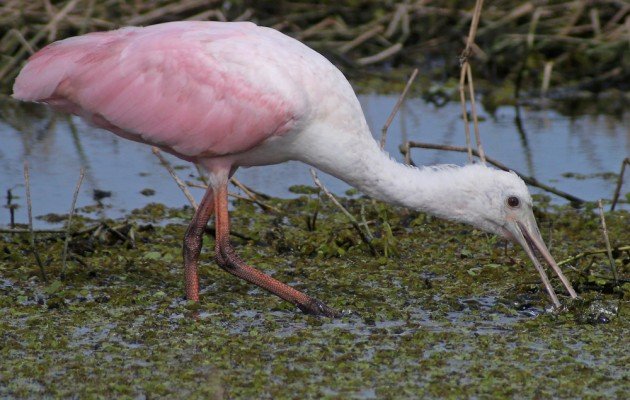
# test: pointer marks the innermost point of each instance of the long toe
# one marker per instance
(317, 307)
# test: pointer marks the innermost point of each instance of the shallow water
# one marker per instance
(452, 315)
(548, 146)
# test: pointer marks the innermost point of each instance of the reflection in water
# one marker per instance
(543, 143)
(518, 123)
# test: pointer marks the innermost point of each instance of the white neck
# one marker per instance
(357, 159)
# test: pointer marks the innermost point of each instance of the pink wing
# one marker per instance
(196, 89)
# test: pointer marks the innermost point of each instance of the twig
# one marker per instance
(366, 237)
(23, 41)
(597, 27)
(407, 153)
(11, 208)
(252, 195)
(202, 175)
(20, 230)
(364, 222)
(474, 24)
(179, 182)
(27, 181)
(401, 12)
(69, 222)
(245, 16)
(89, 10)
(50, 27)
(546, 79)
(473, 108)
(462, 98)
(466, 74)
(590, 253)
(50, 231)
(388, 52)
(397, 106)
(360, 39)
(256, 192)
(236, 196)
(170, 9)
(625, 162)
(325, 23)
(613, 267)
(197, 185)
(575, 17)
(528, 179)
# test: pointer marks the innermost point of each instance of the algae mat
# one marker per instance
(441, 311)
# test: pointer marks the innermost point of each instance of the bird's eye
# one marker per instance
(513, 201)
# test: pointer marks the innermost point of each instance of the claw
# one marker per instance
(317, 307)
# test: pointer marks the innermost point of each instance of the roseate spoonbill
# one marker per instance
(226, 95)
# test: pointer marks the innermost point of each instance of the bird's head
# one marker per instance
(499, 202)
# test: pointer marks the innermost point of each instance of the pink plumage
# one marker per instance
(181, 86)
(226, 95)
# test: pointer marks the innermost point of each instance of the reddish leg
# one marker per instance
(192, 244)
(231, 262)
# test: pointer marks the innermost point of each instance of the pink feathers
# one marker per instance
(195, 89)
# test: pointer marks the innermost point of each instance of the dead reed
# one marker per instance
(540, 45)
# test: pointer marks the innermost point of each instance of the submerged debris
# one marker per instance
(598, 312)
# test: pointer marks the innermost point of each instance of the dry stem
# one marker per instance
(252, 195)
(397, 106)
(69, 222)
(615, 198)
(27, 181)
(528, 179)
(466, 74)
(179, 182)
(613, 267)
(473, 108)
(589, 253)
(383, 55)
(365, 236)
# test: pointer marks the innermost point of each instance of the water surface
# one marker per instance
(548, 145)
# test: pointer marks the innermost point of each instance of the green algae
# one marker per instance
(442, 310)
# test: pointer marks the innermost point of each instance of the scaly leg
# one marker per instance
(232, 263)
(192, 244)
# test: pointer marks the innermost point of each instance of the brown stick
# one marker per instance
(254, 200)
(21, 39)
(27, 182)
(466, 74)
(546, 79)
(66, 240)
(179, 182)
(360, 39)
(397, 106)
(388, 52)
(50, 27)
(170, 9)
(318, 27)
(473, 108)
(252, 195)
(615, 198)
(590, 253)
(462, 98)
(528, 179)
(611, 260)
(473, 25)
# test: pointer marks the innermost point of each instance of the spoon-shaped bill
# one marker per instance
(527, 235)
